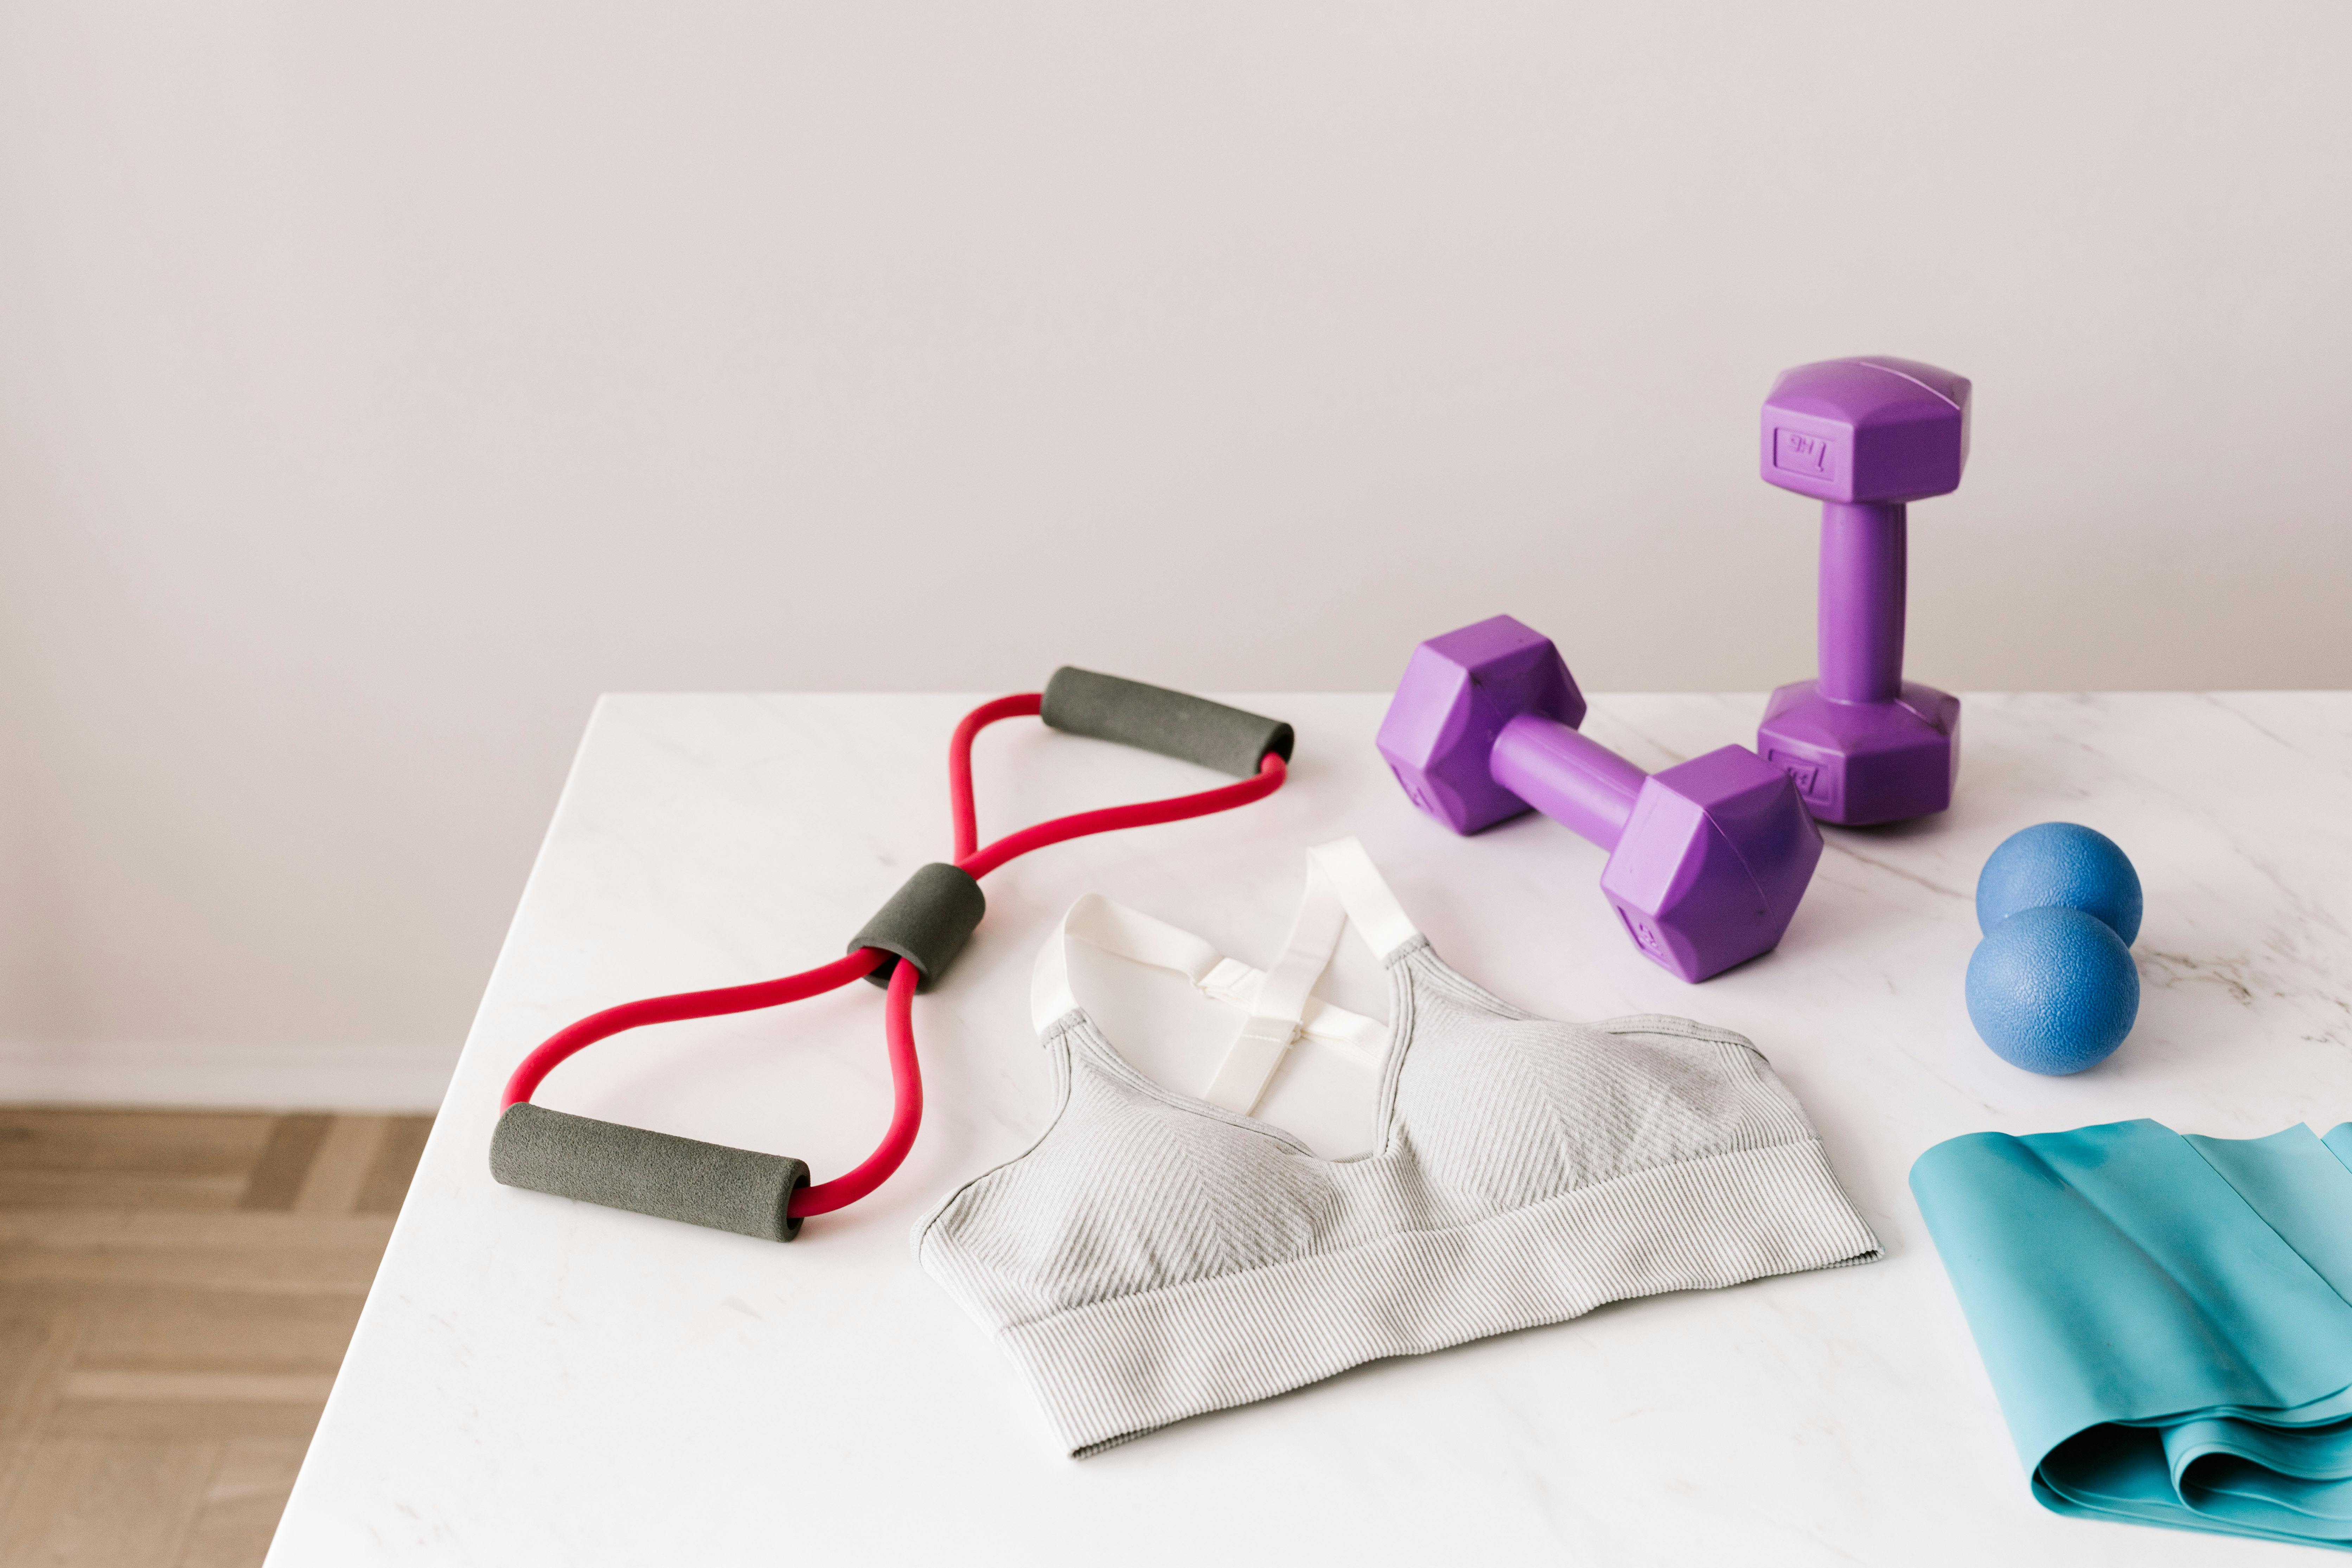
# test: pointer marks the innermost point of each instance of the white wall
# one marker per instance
(378, 381)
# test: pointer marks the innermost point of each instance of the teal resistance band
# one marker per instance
(2167, 1319)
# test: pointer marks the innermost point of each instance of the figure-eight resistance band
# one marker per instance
(905, 947)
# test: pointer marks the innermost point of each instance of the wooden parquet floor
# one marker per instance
(176, 1292)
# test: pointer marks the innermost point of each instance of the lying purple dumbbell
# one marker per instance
(1707, 860)
(1865, 438)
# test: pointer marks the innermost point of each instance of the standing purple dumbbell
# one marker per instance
(1707, 860)
(1865, 438)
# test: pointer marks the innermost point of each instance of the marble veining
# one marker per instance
(536, 1382)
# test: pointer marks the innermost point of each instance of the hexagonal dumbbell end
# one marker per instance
(1859, 765)
(1457, 693)
(1874, 430)
(1865, 438)
(1708, 859)
(1714, 859)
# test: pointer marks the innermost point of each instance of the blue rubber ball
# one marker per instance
(2063, 865)
(2053, 990)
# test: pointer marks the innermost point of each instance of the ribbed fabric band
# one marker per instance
(1123, 1367)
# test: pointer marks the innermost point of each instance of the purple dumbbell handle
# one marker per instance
(1578, 782)
(1862, 596)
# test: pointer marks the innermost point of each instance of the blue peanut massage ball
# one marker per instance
(2063, 865)
(2053, 990)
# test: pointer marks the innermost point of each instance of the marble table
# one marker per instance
(536, 1381)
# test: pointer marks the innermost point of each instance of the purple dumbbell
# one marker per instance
(1707, 860)
(1865, 437)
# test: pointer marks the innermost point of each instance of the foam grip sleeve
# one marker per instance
(925, 922)
(1154, 719)
(619, 1167)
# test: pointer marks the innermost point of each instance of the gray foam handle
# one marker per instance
(1154, 719)
(621, 1167)
(925, 922)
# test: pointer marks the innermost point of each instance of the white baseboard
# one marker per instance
(212, 1077)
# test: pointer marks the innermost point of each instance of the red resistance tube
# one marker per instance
(898, 1025)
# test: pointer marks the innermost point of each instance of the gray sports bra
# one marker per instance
(1155, 1256)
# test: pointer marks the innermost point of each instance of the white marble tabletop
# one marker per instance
(536, 1381)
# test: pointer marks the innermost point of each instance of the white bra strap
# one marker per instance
(1279, 1011)
(1127, 933)
(1379, 917)
(1342, 886)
